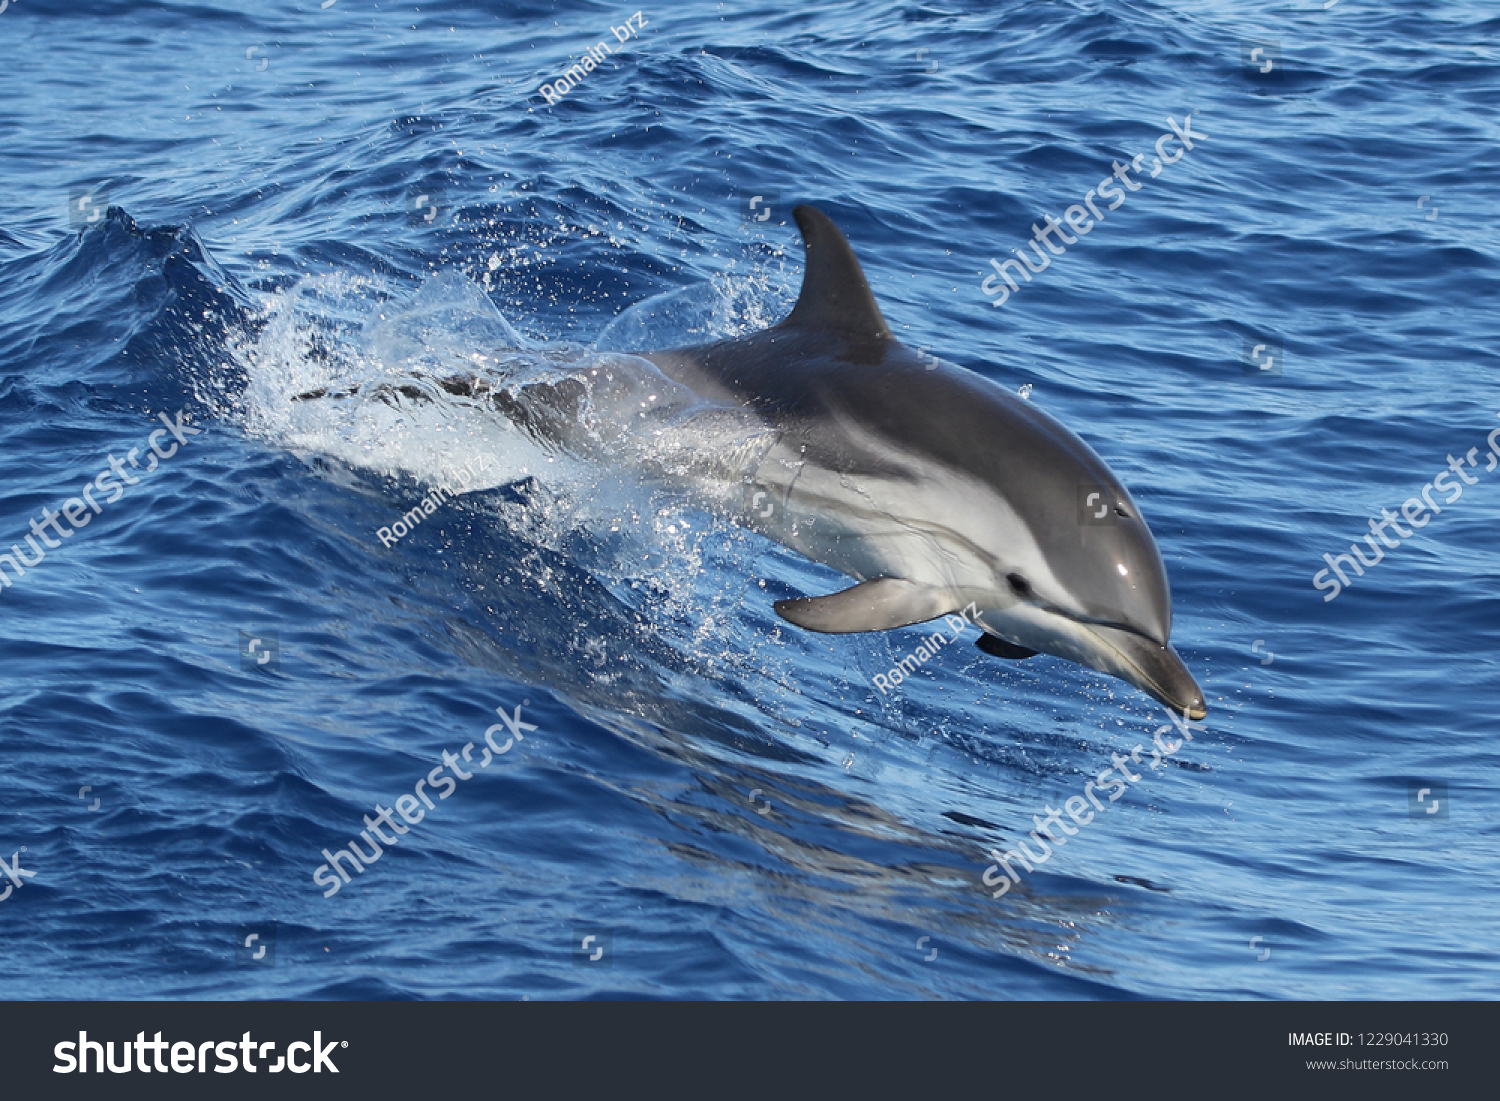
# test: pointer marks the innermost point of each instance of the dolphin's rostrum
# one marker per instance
(936, 489)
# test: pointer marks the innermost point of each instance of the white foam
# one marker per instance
(370, 355)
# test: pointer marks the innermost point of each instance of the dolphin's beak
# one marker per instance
(1155, 670)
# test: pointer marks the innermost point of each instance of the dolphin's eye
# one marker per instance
(1121, 512)
(1018, 584)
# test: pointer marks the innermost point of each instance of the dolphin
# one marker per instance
(934, 488)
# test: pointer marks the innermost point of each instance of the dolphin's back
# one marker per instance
(834, 363)
(863, 405)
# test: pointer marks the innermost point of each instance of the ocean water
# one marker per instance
(212, 209)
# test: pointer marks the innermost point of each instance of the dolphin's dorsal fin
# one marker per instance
(834, 292)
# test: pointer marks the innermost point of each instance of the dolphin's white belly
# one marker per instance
(886, 525)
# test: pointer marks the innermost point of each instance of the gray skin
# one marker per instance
(936, 489)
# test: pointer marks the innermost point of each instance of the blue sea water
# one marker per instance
(213, 208)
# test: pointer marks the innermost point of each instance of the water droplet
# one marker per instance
(1025, 392)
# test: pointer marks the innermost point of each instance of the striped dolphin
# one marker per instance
(935, 489)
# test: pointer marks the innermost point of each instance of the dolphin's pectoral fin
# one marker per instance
(877, 605)
(999, 648)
